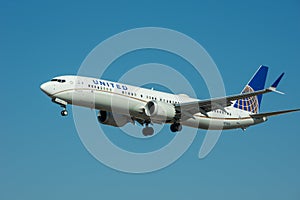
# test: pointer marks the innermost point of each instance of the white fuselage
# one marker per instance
(130, 100)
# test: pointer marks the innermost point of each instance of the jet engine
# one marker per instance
(160, 111)
(111, 119)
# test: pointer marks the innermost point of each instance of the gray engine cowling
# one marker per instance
(160, 111)
(111, 119)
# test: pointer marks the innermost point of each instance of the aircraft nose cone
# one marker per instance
(45, 88)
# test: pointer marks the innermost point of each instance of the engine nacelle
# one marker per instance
(160, 111)
(111, 119)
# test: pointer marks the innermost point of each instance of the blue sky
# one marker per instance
(41, 155)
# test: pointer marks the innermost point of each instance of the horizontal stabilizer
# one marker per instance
(261, 115)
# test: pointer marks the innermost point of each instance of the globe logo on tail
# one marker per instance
(249, 104)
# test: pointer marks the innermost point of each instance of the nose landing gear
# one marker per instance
(64, 112)
(63, 104)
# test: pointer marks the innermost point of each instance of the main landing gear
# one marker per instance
(176, 127)
(147, 131)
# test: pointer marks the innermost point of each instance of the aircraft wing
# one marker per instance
(268, 114)
(208, 105)
(188, 109)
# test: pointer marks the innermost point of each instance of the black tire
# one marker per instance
(64, 113)
(173, 128)
(176, 127)
(179, 127)
(147, 131)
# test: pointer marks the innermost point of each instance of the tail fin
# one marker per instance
(257, 82)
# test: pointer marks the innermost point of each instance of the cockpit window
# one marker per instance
(59, 80)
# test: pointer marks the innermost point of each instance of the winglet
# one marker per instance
(275, 84)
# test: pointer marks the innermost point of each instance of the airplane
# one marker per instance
(119, 104)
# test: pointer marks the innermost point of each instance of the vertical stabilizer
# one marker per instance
(257, 82)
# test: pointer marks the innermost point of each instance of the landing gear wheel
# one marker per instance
(64, 113)
(176, 127)
(147, 131)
